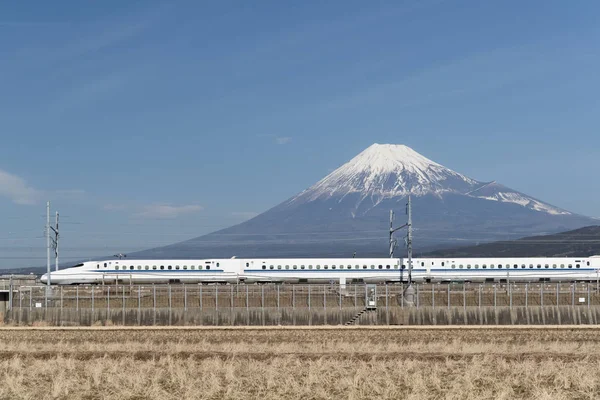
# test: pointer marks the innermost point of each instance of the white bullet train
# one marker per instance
(325, 270)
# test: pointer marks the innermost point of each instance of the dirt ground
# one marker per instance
(441, 363)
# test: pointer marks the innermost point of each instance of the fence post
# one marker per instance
(139, 305)
(355, 295)
(479, 300)
(200, 295)
(154, 302)
(448, 288)
(217, 297)
(464, 296)
(231, 299)
(308, 297)
(262, 304)
(324, 298)
(247, 307)
(77, 298)
(61, 297)
(294, 298)
(432, 296)
(573, 294)
(107, 300)
(417, 293)
(495, 296)
(10, 293)
(526, 295)
(124, 300)
(510, 303)
(542, 294)
(31, 297)
(184, 297)
(93, 302)
(557, 294)
(588, 295)
(277, 298)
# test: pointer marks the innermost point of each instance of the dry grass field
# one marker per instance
(299, 363)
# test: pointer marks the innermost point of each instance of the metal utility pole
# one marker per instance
(409, 239)
(408, 295)
(48, 242)
(55, 243)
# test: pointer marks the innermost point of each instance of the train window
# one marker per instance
(500, 266)
(562, 265)
(381, 267)
(403, 266)
(318, 267)
(247, 265)
(523, 265)
(154, 267)
(460, 266)
(217, 265)
(104, 265)
(577, 266)
(453, 266)
(333, 267)
(570, 266)
(310, 267)
(170, 267)
(147, 267)
(422, 264)
(326, 267)
(372, 266)
(116, 267)
(539, 266)
(553, 265)
(279, 267)
(185, 267)
(546, 266)
(302, 267)
(207, 267)
(97, 266)
(264, 267)
(468, 266)
(588, 263)
(349, 267)
(364, 267)
(192, 267)
(272, 266)
(177, 267)
(442, 263)
(477, 266)
(396, 266)
(139, 267)
(485, 266)
(387, 267)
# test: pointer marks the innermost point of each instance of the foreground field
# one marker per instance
(300, 363)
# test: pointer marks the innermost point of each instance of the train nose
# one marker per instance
(44, 278)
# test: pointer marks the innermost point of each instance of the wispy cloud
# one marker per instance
(283, 140)
(277, 139)
(167, 211)
(245, 215)
(17, 190)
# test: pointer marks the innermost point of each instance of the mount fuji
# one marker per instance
(348, 211)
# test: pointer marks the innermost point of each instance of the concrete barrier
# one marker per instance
(562, 315)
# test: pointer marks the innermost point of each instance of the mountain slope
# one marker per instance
(583, 242)
(348, 211)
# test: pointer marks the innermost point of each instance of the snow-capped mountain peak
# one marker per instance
(389, 170)
(384, 171)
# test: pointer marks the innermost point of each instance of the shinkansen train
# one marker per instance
(325, 270)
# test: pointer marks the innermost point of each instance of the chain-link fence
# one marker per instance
(331, 296)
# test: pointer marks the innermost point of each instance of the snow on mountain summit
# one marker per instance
(384, 171)
(389, 170)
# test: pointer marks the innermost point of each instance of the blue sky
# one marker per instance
(146, 123)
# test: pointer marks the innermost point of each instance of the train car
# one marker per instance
(324, 270)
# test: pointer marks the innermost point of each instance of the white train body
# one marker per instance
(324, 270)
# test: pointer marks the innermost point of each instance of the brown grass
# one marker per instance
(299, 363)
